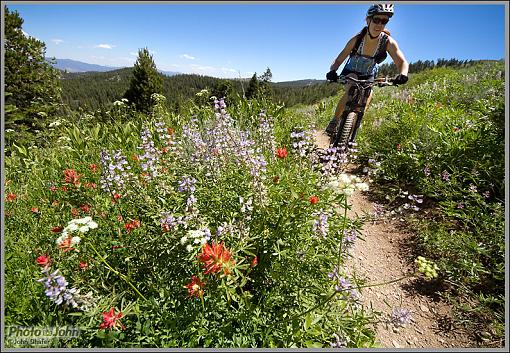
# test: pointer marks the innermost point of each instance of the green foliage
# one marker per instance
(32, 85)
(140, 267)
(253, 87)
(145, 82)
(442, 136)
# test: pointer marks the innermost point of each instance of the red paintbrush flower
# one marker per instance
(43, 260)
(132, 225)
(10, 197)
(314, 199)
(195, 287)
(83, 265)
(281, 153)
(66, 244)
(75, 212)
(216, 258)
(57, 229)
(71, 177)
(111, 320)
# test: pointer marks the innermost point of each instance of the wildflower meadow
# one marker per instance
(224, 227)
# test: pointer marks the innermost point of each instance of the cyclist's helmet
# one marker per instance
(380, 9)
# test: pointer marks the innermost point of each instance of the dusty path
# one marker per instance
(381, 257)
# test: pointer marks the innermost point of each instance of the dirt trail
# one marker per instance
(383, 256)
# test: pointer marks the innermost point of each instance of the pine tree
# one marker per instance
(32, 85)
(253, 87)
(265, 83)
(145, 82)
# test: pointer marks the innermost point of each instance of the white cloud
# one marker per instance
(186, 56)
(57, 41)
(105, 46)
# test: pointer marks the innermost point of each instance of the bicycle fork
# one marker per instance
(355, 106)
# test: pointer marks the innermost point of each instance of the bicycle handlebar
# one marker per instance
(382, 81)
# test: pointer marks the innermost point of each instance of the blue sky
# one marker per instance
(295, 40)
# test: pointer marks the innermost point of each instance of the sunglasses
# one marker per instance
(380, 21)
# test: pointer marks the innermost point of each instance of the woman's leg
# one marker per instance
(369, 99)
(331, 129)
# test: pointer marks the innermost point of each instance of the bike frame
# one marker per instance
(356, 103)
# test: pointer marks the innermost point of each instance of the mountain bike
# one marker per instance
(352, 115)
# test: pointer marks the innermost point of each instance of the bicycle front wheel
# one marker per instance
(345, 134)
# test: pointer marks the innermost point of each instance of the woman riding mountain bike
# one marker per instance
(366, 50)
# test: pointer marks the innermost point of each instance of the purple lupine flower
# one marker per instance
(320, 225)
(220, 106)
(56, 288)
(350, 237)
(149, 158)
(339, 342)
(346, 288)
(266, 133)
(472, 188)
(333, 160)
(302, 142)
(445, 175)
(426, 171)
(187, 184)
(246, 206)
(400, 317)
(342, 285)
(333, 274)
(168, 221)
(486, 194)
(190, 205)
(460, 205)
(218, 143)
(115, 173)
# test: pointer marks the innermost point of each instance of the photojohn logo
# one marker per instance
(30, 336)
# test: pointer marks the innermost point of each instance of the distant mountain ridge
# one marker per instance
(75, 66)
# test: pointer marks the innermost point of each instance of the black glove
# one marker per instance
(332, 76)
(400, 79)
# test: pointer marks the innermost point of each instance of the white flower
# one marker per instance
(196, 234)
(189, 248)
(61, 238)
(75, 240)
(362, 186)
(83, 229)
(82, 220)
(71, 227)
(348, 191)
(92, 225)
(184, 240)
